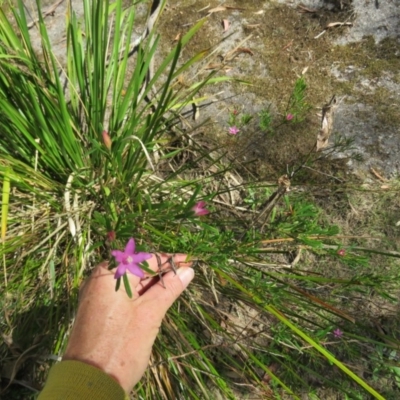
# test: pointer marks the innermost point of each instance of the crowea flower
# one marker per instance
(233, 130)
(129, 260)
(337, 333)
(289, 117)
(200, 209)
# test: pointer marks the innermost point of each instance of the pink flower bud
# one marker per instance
(289, 117)
(107, 140)
(341, 252)
(111, 236)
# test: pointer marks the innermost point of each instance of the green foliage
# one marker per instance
(265, 120)
(239, 120)
(245, 119)
(297, 105)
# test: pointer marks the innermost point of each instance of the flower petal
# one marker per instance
(337, 333)
(134, 269)
(199, 208)
(121, 269)
(233, 130)
(140, 257)
(119, 255)
(130, 247)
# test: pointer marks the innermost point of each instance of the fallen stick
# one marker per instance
(48, 12)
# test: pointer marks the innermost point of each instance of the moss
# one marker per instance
(375, 63)
(384, 105)
(372, 59)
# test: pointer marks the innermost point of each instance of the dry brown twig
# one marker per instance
(303, 9)
(283, 187)
(379, 176)
(333, 25)
(223, 8)
(230, 55)
(50, 11)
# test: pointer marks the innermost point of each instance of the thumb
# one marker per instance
(163, 297)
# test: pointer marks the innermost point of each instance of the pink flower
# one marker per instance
(199, 209)
(233, 130)
(129, 260)
(107, 140)
(289, 117)
(337, 333)
(341, 252)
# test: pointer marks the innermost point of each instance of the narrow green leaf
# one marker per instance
(127, 286)
(118, 284)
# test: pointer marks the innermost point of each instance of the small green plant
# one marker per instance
(297, 105)
(236, 121)
(245, 119)
(256, 195)
(265, 120)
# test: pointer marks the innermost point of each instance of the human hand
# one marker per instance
(115, 333)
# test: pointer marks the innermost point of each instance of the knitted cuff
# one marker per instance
(75, 380)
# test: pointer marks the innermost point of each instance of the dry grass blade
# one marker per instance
(231, 54)
(223, 8)
(283, 187)
(324, 304)
(328, 111)
(335, 24)
(4, 216)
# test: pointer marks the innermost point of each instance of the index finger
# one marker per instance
(161, 263)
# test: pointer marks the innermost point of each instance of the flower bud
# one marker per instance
(107, 140)
(111, 236)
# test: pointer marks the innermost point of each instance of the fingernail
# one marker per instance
(185, 275)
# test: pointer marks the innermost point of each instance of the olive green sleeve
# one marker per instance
(74, 380)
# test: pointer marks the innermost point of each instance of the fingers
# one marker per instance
(162, 264)
(166, 261)
(161, 261)
(159, 298)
